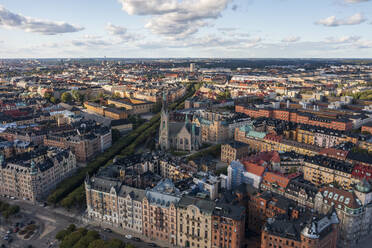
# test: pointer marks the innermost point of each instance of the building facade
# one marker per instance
(33, 175)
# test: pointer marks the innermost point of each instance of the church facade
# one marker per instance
(181, 136)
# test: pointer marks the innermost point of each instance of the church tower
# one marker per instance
(164, 127)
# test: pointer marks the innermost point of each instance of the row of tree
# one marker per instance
(73, 237)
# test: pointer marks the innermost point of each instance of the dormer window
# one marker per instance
(335, 197)
(347, 200)
(341, 199)
(325, 193)
(330, 195)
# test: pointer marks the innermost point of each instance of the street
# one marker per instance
(50, 222)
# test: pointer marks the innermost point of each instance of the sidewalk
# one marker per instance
(124, 232)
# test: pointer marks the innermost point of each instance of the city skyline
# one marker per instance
(186, 28)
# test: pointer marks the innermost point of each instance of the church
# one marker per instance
(180, 136)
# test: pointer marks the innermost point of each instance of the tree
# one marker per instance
(71, 239)
(99, 243)
(77, 96)
(47, 95)
(53, 100)
(62, 234)
(87, 239)
(66, 97)
(114, 243)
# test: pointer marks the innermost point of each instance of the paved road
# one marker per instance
(51, 221)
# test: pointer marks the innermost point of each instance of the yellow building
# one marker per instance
(233, 151)
(322, 170)
(194, 220)
(134, 106)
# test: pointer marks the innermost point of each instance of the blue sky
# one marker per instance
(186, 28)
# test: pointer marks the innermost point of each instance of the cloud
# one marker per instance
(176, 19)
(120, 32)
(362, 44)
(356, 1)
(343, 39)
(12, 20)
(149, 7)
(332, 21)
(291, 39)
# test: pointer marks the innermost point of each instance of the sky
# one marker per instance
(186, 28)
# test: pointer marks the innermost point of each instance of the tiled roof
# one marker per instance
(271, 177)
(336, 197)
(254, 168)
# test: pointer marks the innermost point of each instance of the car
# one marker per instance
(153, 245)
(9, 232)
(107, 230)
(128, 236)
(12, 198)
(15, 229)
(6, 237)
(136, 239)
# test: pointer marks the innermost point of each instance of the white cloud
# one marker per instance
(332, 21)
(176, 19)
(290, 39)
(120, 31)
(343, 39)
(149, 7)
(11, 20)
(356, 1)
(362, 44)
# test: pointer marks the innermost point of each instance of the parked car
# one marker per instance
(128, 236)
(107, 230)
(136, 239)
(153, 245)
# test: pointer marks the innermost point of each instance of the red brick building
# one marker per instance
(228, 225)
(297, 117)
(307, 231)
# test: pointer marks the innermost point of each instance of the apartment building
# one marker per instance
(234, 151)
(134, 106)
(113, 113)
(33, 175)
(194, 218)
(160, 212)
(301, 117)
(322, 170)
(111, 202)
(353, 208)
(228, 226)
(306, 231)
(86, 141)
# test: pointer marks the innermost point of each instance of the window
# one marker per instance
(330, 195)
(347, 200)
(341, 199)
(325, 193)
(335, 197)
